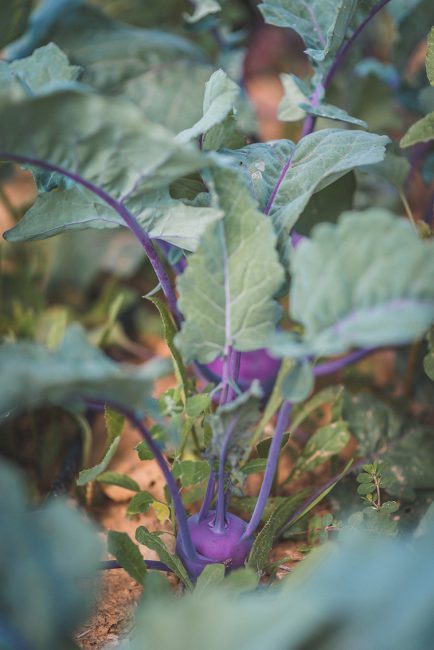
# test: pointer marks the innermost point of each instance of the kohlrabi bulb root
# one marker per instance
(214, 547)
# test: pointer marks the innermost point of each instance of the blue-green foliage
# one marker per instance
(48, 562)
(373, 593)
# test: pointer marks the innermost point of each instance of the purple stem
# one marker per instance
(152, 565)
(270, 469)
(180, 514)
(309, 123)
(209, 495)
(270, 202)
(346, 46)
(337, 364)
(128, 218)
(220, 517)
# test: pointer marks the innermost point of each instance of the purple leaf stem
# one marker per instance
(209, 495)
(152, 565)
(337, 364)
(220, 517)
(270, 469)
(309, 123)
(127, 217)
(234, 371)
(181, 517)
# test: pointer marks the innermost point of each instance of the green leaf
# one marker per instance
(219, 99)
(331, 112)
(121, 480)
(87, 475)
(321, 25)
(389, 507)
(197, 405)
(260, 164)
(274, 401)
(264, 541)
(317, 497)
(325, 396)
(407, 446)
(153, 541)
(171, 94)
(326, 598)
(366, 488)
(203, 8)
(211, 577)
(319, 160)
(244, 410)
(328, 441)
(13, 18)
(127, 554)
(254, 466)
(45, 550)
(191, 472)
(393, 169)
(298, 383)
(141, 502)
(234, 267)
(336, 280)
(46, 70)
(114, 423)
(76, 208)
(420, 131)
(430, 57)
(74, 371)
(143, 451)
(328, 204)
(371, 421)
(148, 159)
(169, 336)
(289, 107)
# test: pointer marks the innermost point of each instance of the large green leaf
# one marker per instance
(221, 94)
(45, 551)
(319, 160)
(328, 204)
(322, 24)
(76, 208)
(171, 94)
(226, 293)
(333, 598)
(109, 51)
(75, 370)
(363, 282)
(106, 141)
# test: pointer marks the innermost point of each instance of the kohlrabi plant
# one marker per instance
(270, 276)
